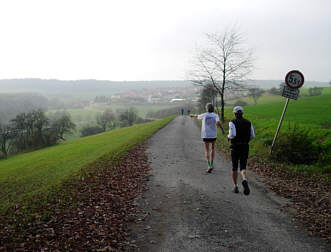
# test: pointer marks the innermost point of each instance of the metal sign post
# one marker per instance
(294, 80)
(279, 125)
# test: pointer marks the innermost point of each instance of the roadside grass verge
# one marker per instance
(30, 180)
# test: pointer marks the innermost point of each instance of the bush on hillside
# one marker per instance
(240, 103)
(275, 90)
(91, 130)
(315, 91)
(296, 146)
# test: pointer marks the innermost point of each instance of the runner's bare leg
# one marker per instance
(234, 177)
(243, 174)
(207, 151)
(212, 151)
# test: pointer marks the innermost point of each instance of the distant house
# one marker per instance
(177, 100)
(116, 96)
(196, 99)
(153, 99)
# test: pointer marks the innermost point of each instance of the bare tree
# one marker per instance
(223, 63)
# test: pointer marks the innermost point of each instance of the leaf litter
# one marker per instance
(309, 195)
(91, 213)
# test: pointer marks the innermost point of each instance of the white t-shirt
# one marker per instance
(209, 127)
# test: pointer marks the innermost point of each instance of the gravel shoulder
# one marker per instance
(186, 209)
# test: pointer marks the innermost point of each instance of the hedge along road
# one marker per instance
(186, 209)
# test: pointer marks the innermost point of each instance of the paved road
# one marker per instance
(187, 210)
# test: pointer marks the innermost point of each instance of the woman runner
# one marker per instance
(210, 120)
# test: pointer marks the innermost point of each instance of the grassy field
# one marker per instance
(26, 175)
(264, 99)
(267, 98)
(308, 112)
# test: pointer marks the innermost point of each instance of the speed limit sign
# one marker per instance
(294, 79)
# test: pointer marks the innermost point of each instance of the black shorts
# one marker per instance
(239, 153)
(209, 140)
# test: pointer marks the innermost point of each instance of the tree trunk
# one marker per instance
(222, 94)
(222, 108)
(3, 147)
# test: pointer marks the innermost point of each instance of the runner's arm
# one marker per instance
(232, 131)
(252, 132)
(220, 125)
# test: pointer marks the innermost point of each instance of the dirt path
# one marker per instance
(187, 210)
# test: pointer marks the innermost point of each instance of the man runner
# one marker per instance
(241, 131)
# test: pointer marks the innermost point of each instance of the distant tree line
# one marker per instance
(102, 99)
(33, 130)
(209, 94)
(313, 91)
(13, 104)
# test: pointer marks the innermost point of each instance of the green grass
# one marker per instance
(306, 110)
(267, 98)
(264, 99)
(325, 90)
(311, 113)
(26, 175)
(81, 115)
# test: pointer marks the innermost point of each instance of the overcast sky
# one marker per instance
(156, 40)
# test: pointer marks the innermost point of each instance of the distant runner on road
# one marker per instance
(241, 131)
(182, 110)
(210, 120)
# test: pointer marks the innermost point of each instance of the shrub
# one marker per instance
(91, 130)
(315, 91)
(297, 147)
(240, 103)
(275, 91)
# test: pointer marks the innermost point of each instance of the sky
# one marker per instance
(156, 40)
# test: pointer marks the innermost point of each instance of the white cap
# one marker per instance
(237, 108)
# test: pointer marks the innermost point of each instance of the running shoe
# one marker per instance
(235, 189)
(246, 188)
(210, 168)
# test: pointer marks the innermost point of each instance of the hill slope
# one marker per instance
(28, 174)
